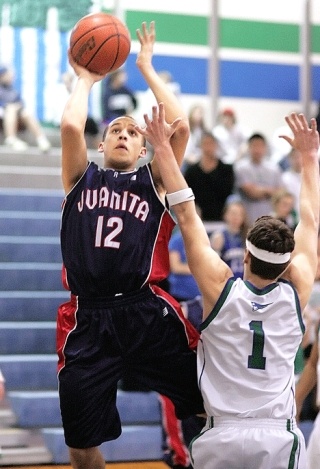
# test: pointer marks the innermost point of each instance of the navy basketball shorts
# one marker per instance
(100, 339)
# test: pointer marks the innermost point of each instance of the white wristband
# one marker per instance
(184, 195)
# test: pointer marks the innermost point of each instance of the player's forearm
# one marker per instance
(163, 93)
(170, 173)
(309, 191)
(306, 383)
(76, 109)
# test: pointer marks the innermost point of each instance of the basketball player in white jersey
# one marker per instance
(251, 328)
(309, 378)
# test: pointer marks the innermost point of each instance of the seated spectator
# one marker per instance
(197, 129)
(117, 99)
(15, 114)
(229, 242)
(283, 208)
(291, 176)
(231, 135)
(211, 180)
(182, 284)
(63, 90)
(257, 178)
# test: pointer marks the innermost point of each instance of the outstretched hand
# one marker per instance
(146, 37)
(157, 131)
(305, 137)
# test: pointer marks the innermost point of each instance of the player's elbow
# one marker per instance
(70, 127)
(183, 129)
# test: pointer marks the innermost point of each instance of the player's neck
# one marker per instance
(257, 281)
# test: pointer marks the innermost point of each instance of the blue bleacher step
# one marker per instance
(41, 408)
(29, 223)
(136, 443)
(42, 200)
(31, 305)
(30, 249)
(29, 372)
(30, 276)
(27, 337)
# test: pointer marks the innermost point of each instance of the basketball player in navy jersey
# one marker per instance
(114, 239)
(251, 328)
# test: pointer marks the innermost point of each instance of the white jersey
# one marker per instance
(247, 350)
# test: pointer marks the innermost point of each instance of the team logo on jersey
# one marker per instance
(257, 306)
(165, 312)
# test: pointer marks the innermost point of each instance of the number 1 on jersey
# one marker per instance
(256, 359)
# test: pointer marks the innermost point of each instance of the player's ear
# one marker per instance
(143, 152)
(100, 147)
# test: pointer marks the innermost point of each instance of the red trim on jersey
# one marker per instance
(64, 278)
(191, 332)
(174, 436)
(160, 265)
(66, 322)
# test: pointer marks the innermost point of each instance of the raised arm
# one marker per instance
(210, 272)
(303, 267)
(74, 148)
(162, 93)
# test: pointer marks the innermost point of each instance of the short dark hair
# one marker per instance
(107, 127)
(257, 136)
(273, 235)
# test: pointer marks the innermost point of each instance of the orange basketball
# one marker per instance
(100, 42)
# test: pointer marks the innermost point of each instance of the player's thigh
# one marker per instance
(250, 448)
(216, 448)
(88, 403)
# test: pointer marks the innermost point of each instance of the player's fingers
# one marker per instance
(285, 137)
(302, 121)
(146, 119)
(291, 121)
(313, 124)
(161, 111)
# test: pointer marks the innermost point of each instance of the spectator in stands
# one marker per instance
(211, 180)
(197, 129)
(182, 284)
(283, 207)
(229, 242)
(15, 114)
(291, 177)
(257, 178)
(117, 98)
(231, 135)
(63, 91)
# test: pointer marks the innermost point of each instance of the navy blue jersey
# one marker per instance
(115, 232)
(232, 252)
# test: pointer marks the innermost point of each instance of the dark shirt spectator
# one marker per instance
(211, 180)
(117, 99)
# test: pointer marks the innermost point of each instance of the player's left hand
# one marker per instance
(157, 131)
(146, 37)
